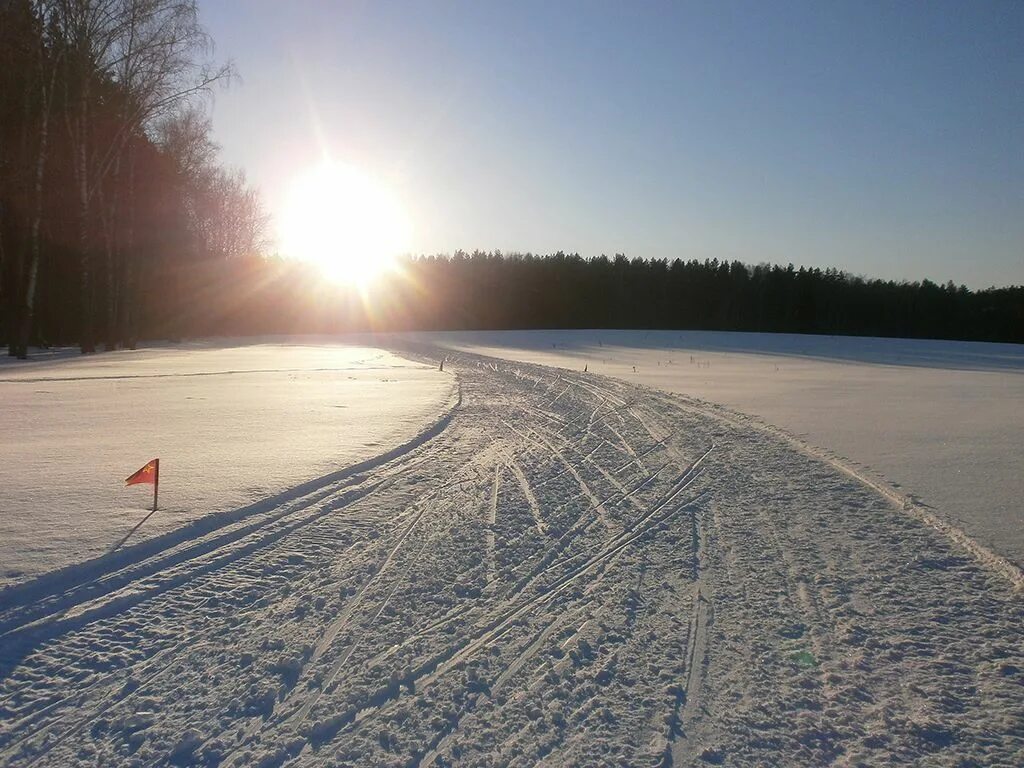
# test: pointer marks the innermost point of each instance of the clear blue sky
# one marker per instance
(884, 138)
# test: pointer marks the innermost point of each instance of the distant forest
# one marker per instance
(253, 295)
(491, 291)
(118, 223)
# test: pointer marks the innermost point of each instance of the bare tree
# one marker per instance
(225, 214)
(129, 62)
(185, 136)
(47, 64)
(235, 223)
(27, 85)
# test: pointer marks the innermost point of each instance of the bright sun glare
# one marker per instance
(345, 222)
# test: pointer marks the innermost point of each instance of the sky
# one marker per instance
(882, 138)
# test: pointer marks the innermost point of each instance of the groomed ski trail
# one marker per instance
(564, 569)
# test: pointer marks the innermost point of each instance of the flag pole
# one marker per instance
(156, 482)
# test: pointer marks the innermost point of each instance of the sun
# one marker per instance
(346, 222)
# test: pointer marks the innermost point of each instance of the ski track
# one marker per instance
(566, 570)
(492, 522)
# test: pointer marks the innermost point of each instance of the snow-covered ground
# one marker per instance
(942, 421)
(498, 564)
(232, 424)
(565, 569)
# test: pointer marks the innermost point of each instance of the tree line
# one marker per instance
(109, 180)
(494, 291)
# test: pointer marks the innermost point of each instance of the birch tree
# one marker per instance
(128, 62)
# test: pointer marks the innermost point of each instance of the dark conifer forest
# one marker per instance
(248, 294)
(491, 291)
(118, 223)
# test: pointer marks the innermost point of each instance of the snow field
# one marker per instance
(232, 425)
(571, 569)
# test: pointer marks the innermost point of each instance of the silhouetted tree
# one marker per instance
(83, 86)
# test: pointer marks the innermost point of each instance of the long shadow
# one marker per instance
(54, 593)
(18, 642)
(128, 535)
(64, 588)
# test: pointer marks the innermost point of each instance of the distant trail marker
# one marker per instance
(150, 473)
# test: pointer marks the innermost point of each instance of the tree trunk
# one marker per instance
(14, 308)
(2, 259)
(126, 309)
(110, 213)
(10, 298)
(87, 341)
(32, 283)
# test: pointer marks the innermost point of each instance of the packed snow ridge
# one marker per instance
(565, 569)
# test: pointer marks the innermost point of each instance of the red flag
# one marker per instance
(148, 474)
